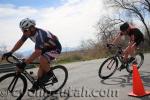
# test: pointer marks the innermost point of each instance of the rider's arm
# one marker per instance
(38, 49)
(19, 43)
(118, 37)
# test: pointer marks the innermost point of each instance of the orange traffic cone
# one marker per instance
(138, 88)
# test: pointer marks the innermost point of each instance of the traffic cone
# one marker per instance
(138, 88)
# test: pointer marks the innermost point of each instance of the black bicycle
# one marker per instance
(14, 85)
(110, 65)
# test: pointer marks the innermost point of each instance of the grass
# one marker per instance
(69, 57)
(80, 56)
(74, 56)
(83, 55)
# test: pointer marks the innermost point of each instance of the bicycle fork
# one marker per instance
(12, 84)
(109, 67)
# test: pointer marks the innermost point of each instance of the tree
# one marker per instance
(135, 8)
(146, 4)
(107, 27)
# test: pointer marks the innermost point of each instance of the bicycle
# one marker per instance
(19, 80)
(111, 63)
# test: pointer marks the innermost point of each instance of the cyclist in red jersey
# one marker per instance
(136, 38)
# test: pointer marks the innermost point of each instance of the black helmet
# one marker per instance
(124, 26)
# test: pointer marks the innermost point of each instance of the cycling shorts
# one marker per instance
(51, 55)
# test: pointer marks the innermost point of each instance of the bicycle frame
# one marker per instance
(24, 72)
(115, 58)
(28, 76)
(23, 75)
(118, 54)
(15, 79)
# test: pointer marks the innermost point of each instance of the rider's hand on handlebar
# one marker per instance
(6, 55)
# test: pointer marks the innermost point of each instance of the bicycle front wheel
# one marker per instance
(108, 68)
(12, 86)
(61, 76)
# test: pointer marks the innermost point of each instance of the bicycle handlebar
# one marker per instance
(18, 60)
(112, 45)
(15, 58)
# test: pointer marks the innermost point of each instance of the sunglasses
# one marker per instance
(25, 30)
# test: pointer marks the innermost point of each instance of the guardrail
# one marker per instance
(11, 67)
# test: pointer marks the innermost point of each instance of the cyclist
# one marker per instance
(136, 37)
(47, 47)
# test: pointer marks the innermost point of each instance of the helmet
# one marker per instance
(124, 26)
(26, 23)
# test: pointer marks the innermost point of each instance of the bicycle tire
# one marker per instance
(128, 67)
(13, 75)
(63, 83)
(102, 65)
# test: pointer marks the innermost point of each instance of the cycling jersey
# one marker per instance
(44, 40)
(138, 35)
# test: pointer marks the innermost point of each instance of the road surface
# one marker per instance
(84, 83)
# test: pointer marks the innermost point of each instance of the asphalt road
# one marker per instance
(84, 83)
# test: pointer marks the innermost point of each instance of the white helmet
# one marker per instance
(26, 23)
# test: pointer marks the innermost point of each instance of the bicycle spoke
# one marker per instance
(15, 86)
(14, 83)
(108, 67)
(59, 79)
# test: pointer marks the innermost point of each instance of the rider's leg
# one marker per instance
(129, 50)
(43, 69)
(45, 61)
(126, 53)
(45, 66)
(134, 46)
(49, 56)
(40, 72)
(44, 72)
(125, 56)
(132, 50)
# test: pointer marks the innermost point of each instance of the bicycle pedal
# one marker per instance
(119, 69)
(32, 90)
(53, 81)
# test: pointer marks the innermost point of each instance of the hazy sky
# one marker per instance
(71, 20)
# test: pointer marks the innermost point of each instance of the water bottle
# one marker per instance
(33, 75)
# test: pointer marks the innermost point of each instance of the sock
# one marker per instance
(47, 76)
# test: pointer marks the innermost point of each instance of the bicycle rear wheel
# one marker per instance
(12, 86)
(139, 58)
(108, 68)
(61, 74)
